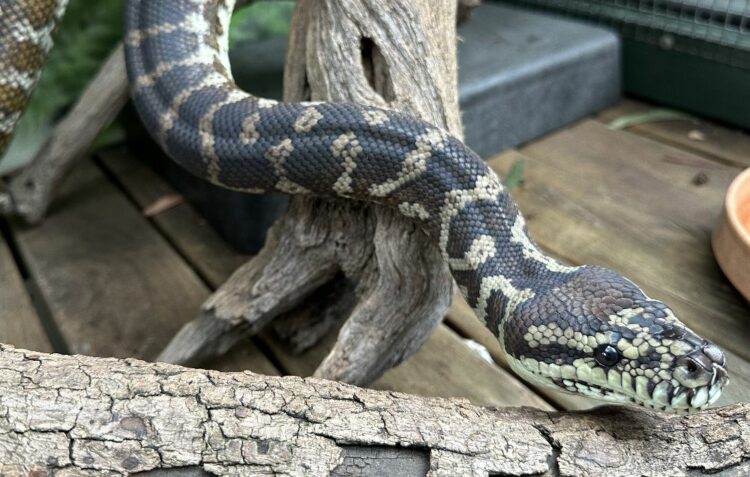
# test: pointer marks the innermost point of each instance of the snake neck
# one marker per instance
(496, 264)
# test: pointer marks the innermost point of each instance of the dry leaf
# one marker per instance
(163, 203)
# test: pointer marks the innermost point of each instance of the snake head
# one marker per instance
(598, 335)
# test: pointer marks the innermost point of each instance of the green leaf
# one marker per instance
(650, 116)
(261, 20)
(87, 34)
(113, 134)
(515, 175)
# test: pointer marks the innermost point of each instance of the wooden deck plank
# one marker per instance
(19, 324)
(145, 188)
(445, 366)
(730, 146)
(114, 286)
(620, 200)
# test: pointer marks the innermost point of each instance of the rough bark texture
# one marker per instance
(31, 191)
(73, 415)
(400, 54)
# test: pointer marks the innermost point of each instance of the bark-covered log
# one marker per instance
(73, 415)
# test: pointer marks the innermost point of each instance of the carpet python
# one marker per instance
(26, 28)
(585, 330)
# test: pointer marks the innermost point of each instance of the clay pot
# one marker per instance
(731, 237)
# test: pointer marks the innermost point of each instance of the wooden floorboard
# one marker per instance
(113, 284)
(146, 188)
(19, 324)
(618, 199)
(445, 366)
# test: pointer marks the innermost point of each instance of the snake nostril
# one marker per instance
(691, 366)
(694, 370)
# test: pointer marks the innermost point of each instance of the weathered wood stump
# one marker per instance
(340, 258)
(368, 252)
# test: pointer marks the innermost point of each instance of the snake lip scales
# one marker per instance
(670, 397)
(586, 329)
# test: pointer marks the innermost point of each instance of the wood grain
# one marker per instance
(349, 51)
(33, 189)
(19, 323)
(211, 256)
(113, 285)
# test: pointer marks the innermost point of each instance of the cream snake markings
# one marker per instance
(585, 330)
(26, 28)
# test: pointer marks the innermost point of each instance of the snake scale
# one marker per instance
(585, 330)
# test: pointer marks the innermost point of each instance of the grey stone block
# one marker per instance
(523, 74)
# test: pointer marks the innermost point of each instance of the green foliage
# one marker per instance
(515, 175)
(86, 36)
(261, 20)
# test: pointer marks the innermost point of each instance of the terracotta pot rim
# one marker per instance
(731, 203)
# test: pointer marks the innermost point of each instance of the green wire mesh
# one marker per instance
(716, 30)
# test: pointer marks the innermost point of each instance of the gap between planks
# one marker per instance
(20, 323)
(113, 286)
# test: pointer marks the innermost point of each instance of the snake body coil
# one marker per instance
(584, 330)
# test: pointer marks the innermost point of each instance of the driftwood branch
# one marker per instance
(31, 191)
(394, 286)
(73, 415)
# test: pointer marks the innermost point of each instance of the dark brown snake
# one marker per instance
(585, 330)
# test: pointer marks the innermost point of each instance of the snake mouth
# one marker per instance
(680, 400)
(665, 396)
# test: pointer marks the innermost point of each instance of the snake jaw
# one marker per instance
(663, 396)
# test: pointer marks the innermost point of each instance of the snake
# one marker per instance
(584, 329)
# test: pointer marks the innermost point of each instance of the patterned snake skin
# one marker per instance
(584, 330)
(26, 27)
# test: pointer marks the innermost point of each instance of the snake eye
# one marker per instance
(606, 355)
